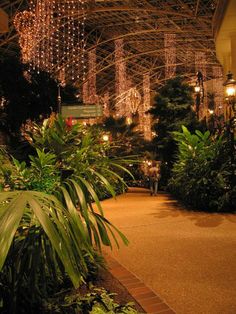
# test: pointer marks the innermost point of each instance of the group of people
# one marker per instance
(154, 177)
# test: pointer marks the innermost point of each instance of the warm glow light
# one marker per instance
(230, 91)
(52, 38)
(197, 89)
(129, 120)
(120, 75)
(144, 117)
(105, 137)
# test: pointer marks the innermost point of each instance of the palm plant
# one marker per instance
(125, 137)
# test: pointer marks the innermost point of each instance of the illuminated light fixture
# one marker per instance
(230, 86)
(105, 137)
(197, 89)
(129, 120)
(230, 91)
(230, 97)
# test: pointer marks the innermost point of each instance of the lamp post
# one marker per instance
(59, 98)
(230, 97)
(60, 84)
(199, 91)
(230, 94)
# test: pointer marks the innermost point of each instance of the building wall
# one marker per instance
(226, 39)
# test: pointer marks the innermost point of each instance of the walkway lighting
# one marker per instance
(230, 97)
(230, 91)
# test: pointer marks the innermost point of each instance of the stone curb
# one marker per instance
(147, 299)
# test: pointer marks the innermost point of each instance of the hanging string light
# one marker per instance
(52, 37)
(92, 76)
(24, 24)
(170, 55)
(120, 68)
(145, 118)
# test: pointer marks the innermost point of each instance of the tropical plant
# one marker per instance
(81, 151)
(52, 225)
(97, 301)
(202, 174)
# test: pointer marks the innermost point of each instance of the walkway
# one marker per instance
(187, 258)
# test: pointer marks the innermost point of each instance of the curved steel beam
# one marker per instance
(150, 31)
(146, 9)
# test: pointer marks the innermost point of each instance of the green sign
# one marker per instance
(88, 111)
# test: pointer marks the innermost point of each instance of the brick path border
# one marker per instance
(147, 299)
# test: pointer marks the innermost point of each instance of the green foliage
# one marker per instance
(126, 140)
(52, 224)
(80, 151)
(202, 174)
(42, 175)
(97, 301)
(172, 109)
(38, 245)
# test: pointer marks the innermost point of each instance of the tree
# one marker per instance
(172, 109)
(28, 95)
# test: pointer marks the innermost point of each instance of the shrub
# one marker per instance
(202, 174)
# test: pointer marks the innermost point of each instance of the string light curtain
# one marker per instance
(218, 89)
(85, 92)
(120, 76)
(200, 65)
(145, 118)
(93, 98)
(170, 55)
(52, 36)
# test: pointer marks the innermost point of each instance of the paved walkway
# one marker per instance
(187, 258)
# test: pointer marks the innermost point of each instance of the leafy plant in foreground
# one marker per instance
(51, 233)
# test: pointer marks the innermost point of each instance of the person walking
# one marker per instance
(154, 175)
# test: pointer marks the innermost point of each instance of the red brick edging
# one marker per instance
(148, 300)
